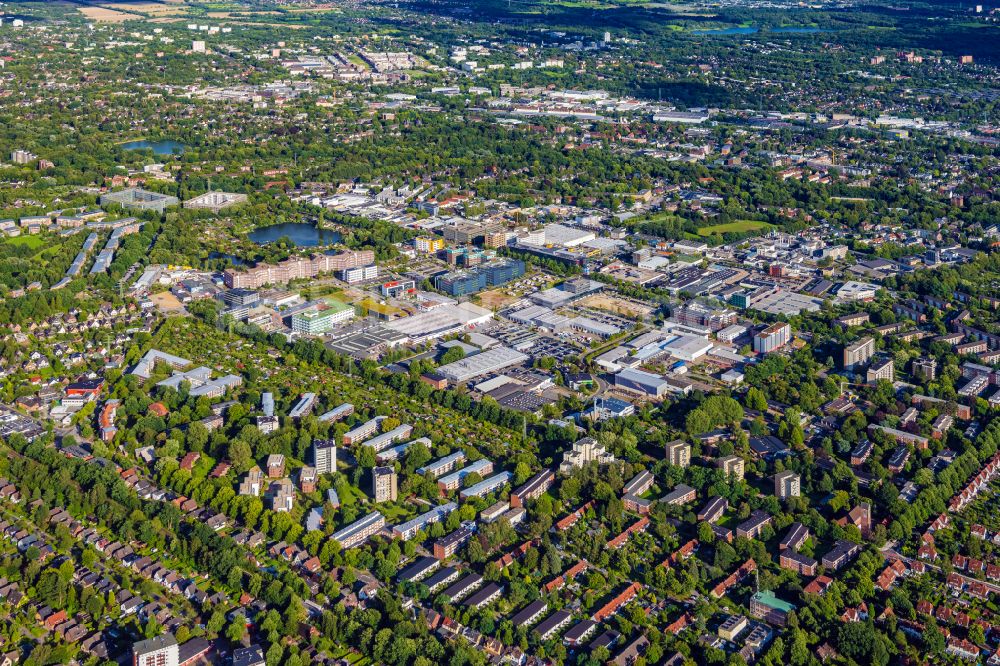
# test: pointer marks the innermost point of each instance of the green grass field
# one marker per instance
(33, 242)
(740, 226)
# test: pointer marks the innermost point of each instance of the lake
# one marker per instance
(161, 147)
(753, 30)
(303, 234)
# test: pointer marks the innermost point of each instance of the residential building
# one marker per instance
(857, 353)
(786, 484)
(881, 369)
(325, 455)
(924, 369)
(584, 451)
(159, 651)
(772, 338)
(533, 488)
(276, 465)
(358, 532)
(753, 525)
(253, 482)
(384, 482)
(678, 453)
(731, 466)
(295, 268)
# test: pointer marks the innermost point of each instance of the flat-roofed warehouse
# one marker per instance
(492, 360)
(441, 321)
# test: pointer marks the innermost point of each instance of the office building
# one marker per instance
(772, 338)
(139, 199)
(356, 274)
(325, 456)
(857, 353)
(786, 484)
(159, 651)
(678, 453)
(384, 484)
(398, 288)
(695, 313)
(318, 322)
(428, 245)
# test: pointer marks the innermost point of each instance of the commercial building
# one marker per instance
(492, 360)
(771, 338)
(398, 288)
(384, 484)
(159, 651)
(678, 453)
(440, 321)
(786, 484)
(642, 382)
(858, 353)
(358, 532)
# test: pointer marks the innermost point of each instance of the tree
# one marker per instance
(366, 457)
(236, 629)
(756, 400)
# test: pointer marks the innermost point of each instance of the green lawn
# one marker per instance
(740, 226)
(33, 242)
